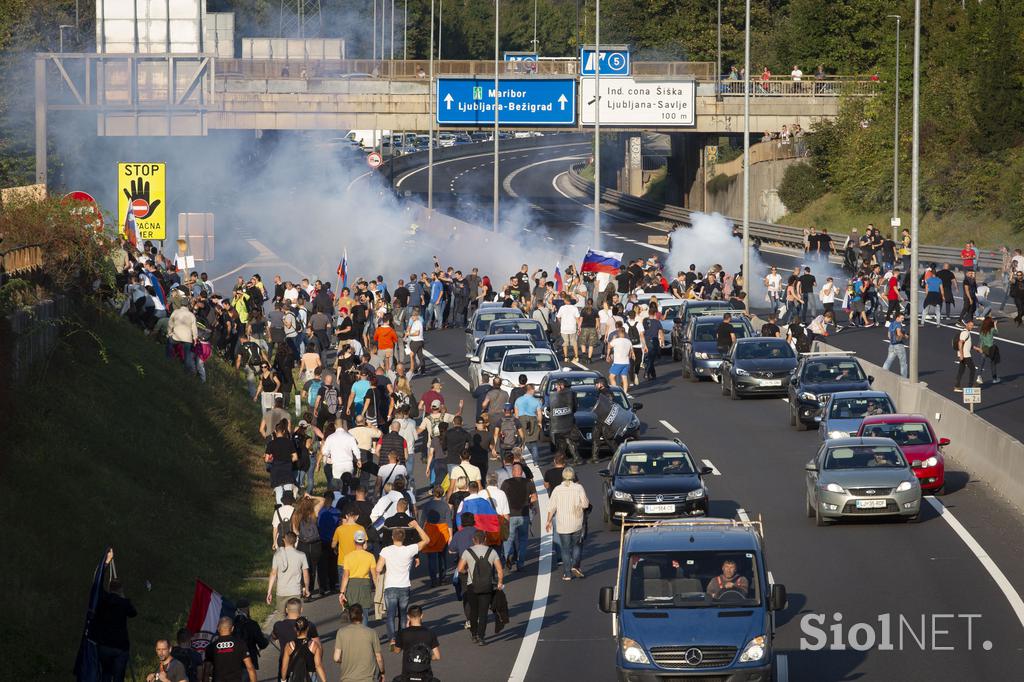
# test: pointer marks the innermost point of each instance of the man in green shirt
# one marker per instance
(357, 650)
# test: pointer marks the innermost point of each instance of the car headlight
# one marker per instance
(834, 488)
(695, 494)
(809, 396)
(837, 434)
(700, 356)
(633, 652)
(740, 372)
(754, 651)
(904, 487)
(625, 497)
(931, 461)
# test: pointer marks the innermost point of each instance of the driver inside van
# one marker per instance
(728, 581)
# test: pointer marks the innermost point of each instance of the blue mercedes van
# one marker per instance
(693, 599)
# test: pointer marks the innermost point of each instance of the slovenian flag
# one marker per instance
(558, 278)
(154, 282)
(131, 229)
(485, 517)
(208, 607)
(602, 261)
(343, 270)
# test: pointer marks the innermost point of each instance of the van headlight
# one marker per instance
(700, 356)
(754, 651)
(904, 487)
(740, 372)
(634, 653)
(625, 497)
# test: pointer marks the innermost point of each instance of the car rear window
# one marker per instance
(483, 320)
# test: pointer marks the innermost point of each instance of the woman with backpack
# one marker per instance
(302, 658)
(304, 526)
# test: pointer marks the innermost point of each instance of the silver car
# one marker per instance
(485, 362)
(857, 477)
(481, 320)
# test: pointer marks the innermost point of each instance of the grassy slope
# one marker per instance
(131, 452)
(952, 229)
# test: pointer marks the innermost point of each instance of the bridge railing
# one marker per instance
(831, 86)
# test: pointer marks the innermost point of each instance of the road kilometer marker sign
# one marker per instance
(142, 188)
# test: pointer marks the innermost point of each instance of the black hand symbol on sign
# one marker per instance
(140, 190)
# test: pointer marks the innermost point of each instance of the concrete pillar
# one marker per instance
(634, 166)
(40, 121)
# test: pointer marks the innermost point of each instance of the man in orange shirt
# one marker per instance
(384, 339)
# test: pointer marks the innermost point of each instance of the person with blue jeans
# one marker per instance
(528, 412)
(569, 504)
(897, 345)
(522, 495)
(395, 563)
(435, 311)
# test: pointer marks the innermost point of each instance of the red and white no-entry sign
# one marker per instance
(374, 159)
(90, 206)
(140, 207)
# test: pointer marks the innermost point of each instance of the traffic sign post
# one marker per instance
(374, 159)
(614, 61)
(972, 397)
(632, 102)
(90, 206)
(538, 101)
(143, 188)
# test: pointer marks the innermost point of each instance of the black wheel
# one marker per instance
(940, 491)
(912, 519)
(820, 520)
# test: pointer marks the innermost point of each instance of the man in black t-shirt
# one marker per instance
(824, 245)
(418, 644)
(228, 655)
(725, 335)
(284, 630)
(947, 278)
(771, 328)
(521, 495)
(807, 285)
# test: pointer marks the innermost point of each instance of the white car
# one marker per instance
(535, 363)
(486, 361)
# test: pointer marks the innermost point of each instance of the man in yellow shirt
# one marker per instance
(241, 303)
(359, 575)
(343, 541)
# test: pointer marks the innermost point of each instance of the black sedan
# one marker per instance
(619, 424)
(653, 479)
(582, 377)
(818, 375)
(757, 366)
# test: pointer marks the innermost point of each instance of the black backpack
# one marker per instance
(251, 354)
(483, 573)
(508, 433)
(301, 665)
(417, 658)
(283, 526)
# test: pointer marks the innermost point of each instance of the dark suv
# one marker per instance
(688, 309)
(818, 375)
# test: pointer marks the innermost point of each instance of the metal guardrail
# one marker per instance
(784, 235)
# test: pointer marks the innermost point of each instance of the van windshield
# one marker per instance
(692, 580)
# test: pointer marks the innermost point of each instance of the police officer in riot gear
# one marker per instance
(562, 418)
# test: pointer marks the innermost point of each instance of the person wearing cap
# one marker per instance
(431, 396)
(359, 575)
(568, 505)
(438, 413)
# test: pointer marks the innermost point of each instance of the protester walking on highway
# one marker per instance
(567, 505)
(654, 338)
(357, 650)
(965, 359)
(167, 668)
(359, 574)
(302, 657)
(304, 525)
(1017, 292)
(248, 630)
(414, 340)
(989, 348)
(419, 647)
(289, 571)
(521, 495)
(227, 655)
(897, 345)
(482, 568)
(395, 563)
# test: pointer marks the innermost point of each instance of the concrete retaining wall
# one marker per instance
(765, 205)
(988, 453)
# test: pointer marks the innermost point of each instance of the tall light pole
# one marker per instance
(747, 275)
(718, 58)
(535, 26)
(497, 105)
(440, 25)
(375, 30)
(915, 197)
(896, 136)
(430, 141)
(392, 30)
(405, 33)
(597, 124)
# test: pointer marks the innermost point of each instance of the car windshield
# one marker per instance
(907, 433)
(691, 580)
(708, 331)
(702, 308)
(529, 362)
(858, 408)
(669, 311)
(764, 350)
(655, 462)
(864, 457)
(483, 320)
(517, 326)
(585, 400)
(825, 371)
(496, 351)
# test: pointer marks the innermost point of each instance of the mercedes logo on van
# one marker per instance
(693, 657)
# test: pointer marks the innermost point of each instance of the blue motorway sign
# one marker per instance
(520, 56)
(614, 61)
(469, 101)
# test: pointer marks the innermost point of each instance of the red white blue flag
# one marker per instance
(208, 606)
(602, 261)
(558, 278)
(343, 270)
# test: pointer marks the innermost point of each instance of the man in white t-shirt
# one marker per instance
(340, 452)
(773, 283)
(620, 355)
(414, 337)
(568, 327)
(965, 359)
(395, 562)
(390, 472)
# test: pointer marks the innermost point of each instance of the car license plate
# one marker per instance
(659, 508)
(771, 382)
(870, 504)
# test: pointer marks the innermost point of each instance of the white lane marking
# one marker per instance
(265, 258)
(781, 668)
(579, 364)
(506, 184)
(1004, 585)
(1002, 339)
(744, 517)
(448, 370)
(357, 179)
(714, 469)
(669, 426)
(405, 177)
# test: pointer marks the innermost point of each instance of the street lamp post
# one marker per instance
(896, 136)
(915, 198)
(392, 30)
(597, 124)
(430, 141)
(497, 104)
(718, 58)
(405, 33)
(535, 26)
(747, 275)
(440, 25)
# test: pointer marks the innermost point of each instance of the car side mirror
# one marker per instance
(871, 379)
(811, 466)
(638, 406)
(604, 473)
(706, 471)
(472, 358)
(606, 600)
(944, 441)
(779, 599)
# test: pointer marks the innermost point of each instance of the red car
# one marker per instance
(916, 437)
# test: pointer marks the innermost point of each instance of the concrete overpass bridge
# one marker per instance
(190, 95)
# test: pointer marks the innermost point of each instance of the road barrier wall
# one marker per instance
(987, 452)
